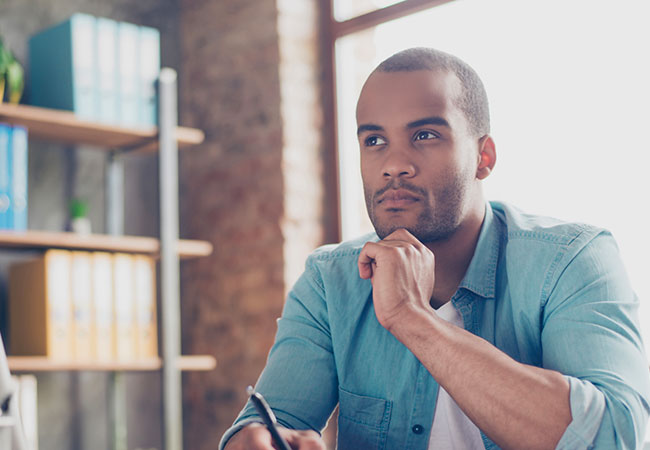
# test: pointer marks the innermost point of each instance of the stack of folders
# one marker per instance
(26, 396)
(84, 306)
(13, 177)
(100, 69)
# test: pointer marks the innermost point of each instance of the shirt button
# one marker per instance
(418, 429)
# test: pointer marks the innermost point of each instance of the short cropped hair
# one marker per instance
(473, 101)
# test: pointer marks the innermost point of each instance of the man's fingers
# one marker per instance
(303, 439)
(365, 270)
(366, 260)
(399, 242)
(402, 234)
(257, 437)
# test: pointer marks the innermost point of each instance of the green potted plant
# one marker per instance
(11, 75)
(79, 221)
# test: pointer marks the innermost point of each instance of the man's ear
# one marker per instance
(487, 157)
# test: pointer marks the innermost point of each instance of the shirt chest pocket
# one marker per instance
(363, 421)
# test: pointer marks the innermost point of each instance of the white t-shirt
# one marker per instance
(451, 428)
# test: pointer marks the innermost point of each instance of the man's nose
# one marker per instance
(398, 164)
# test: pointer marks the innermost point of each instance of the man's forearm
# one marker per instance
(516, 405)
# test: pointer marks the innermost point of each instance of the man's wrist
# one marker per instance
(414, 324)
(230, 433)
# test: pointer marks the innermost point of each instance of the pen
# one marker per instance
(268, 417)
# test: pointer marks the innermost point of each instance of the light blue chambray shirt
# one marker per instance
(547, 293)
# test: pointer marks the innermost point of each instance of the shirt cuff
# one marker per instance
(235, 428)
(587, 409)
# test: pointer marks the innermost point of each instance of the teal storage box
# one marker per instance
(63, 67)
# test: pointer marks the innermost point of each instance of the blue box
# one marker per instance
(63, 68)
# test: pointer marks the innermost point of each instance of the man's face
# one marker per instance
(418, 157)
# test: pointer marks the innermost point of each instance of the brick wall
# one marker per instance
(250, 80)
(302, 120)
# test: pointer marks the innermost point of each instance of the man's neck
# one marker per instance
(454, 255)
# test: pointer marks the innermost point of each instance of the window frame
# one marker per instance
(332, 30)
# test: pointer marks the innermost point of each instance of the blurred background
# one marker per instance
(273, 85)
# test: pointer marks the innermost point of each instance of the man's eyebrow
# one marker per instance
(433, 120)
(369, 127)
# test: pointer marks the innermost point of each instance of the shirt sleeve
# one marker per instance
(299, 381)
(591, 335)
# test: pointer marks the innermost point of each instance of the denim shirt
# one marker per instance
(547, 293)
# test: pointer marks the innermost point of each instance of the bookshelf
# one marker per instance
(165, 140)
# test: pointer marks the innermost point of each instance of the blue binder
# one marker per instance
(18, 179)
(5, 171)
(149, 70)
(107, 75)
(129, 84)
(63, 67)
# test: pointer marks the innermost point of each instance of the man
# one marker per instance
(462, 323)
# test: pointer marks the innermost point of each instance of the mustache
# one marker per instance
(400, 184)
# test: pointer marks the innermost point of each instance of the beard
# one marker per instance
(440, 216)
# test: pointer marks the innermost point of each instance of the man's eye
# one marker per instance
(373, 141)
(424, 135)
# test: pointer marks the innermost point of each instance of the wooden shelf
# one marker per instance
(64, 126)
(42, 364)
(196, 363)
(99, 242)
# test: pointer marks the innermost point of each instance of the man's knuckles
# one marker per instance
(304, 439)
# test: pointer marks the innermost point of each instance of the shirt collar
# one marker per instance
(480, 277)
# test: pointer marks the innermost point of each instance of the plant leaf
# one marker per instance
(15, 81)
(5, 58)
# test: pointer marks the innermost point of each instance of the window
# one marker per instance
(346, 9)
(569, 86)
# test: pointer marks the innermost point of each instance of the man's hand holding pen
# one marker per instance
(270, 435)
(257, 437)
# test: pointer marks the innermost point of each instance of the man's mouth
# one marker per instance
(397, 199)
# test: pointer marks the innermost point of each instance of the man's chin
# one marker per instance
(383, 231)
(422, 234)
